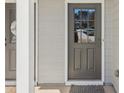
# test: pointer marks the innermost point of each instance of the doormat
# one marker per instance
(87, 89)
(49, 91)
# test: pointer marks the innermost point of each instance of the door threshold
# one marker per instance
(13, 83)
(84, 82)
(10, 82)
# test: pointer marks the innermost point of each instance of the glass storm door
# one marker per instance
(84, 41)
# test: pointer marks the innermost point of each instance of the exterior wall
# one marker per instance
(112, 41)
(115, 43)
(51, 41)
(108, 42)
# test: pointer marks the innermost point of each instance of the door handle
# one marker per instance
(5, 42)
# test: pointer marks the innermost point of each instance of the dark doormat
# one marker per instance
(87, 89)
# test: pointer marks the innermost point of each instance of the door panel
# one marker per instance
(90, 59)
(77, 59)
(84, 41)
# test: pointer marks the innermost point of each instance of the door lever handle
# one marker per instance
(5, 42)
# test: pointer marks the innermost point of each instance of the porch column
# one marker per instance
(25, 46)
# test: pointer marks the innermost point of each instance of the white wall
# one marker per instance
(51, 41)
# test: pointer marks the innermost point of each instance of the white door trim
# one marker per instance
(83, 82)
(37, 40)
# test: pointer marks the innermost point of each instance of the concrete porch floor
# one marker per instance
(54, 89)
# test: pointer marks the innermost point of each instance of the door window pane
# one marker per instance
(84, 24)
(91, 24)
(77, 37)
(77, 26)
(84, 14)
(77, 14)
(91, 36)
(84, 36)
(91, 13)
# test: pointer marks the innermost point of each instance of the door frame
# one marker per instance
(84, 82)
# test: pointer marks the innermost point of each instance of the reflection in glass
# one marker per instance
(84, 24)
(84, 36)
(91, 39)
(77, 37)
(91, 13)
(13, 31)
(77, 26)
(91, 36)
(84, 14)
(92, 24)
(91, 32)
(77, 14)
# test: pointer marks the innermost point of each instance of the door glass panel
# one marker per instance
(91, 24)
(77, 14)
(84, 36)
(13, 31)
(77, 26)
(91, 36)
(84, 14)
(85, 23)
(77, 37)
(91, 13)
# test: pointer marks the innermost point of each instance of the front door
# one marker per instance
(84, 41)
(10, 41)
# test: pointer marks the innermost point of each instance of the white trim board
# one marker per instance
(36, 40)
(13, 83)
(84, 82)
(25, 46)
(10, 82)
(14, 1)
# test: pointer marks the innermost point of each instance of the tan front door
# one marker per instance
(10, 41)
(84, 41)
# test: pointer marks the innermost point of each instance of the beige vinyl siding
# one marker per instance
(112, 41)
(51, 41)
(115, 42)
(108, 41)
